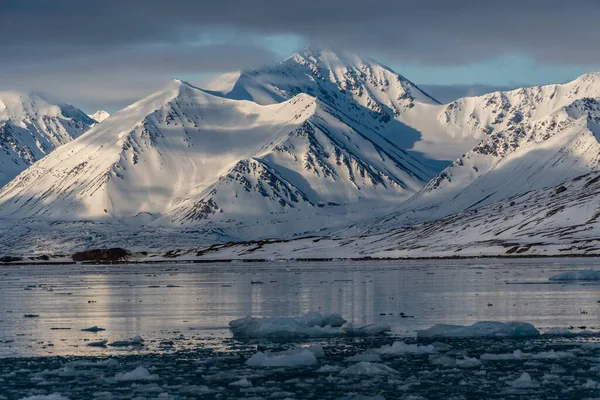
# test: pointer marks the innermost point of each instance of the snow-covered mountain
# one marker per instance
(561, 220)
(31, 127)
(186, 156)
(537, 138)
(362, 89)
(99, 115)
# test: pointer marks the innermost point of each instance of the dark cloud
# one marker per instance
(150, 36)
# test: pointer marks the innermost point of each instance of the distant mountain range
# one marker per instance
(322, 144)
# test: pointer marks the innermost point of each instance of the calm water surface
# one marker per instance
(195, 302)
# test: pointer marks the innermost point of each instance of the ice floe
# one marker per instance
(401, 348)
(583, 275)
(480, 329)
(290, 358)
(53, 396)
(524, 382)
(138, 374)
(368, 368)
(519, 355)
(312, 324)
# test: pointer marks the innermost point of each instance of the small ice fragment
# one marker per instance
(100, 343)
(290, 358)
(138, 374)
(524, 382)
(442, 360)
(330, 369)
(400, 348)
(481, 329)
(317, 350)
(93, 329)
(591, 384)
(467, 362)
(53, 396)
(368, 368)
(515, 355)
(241, 383)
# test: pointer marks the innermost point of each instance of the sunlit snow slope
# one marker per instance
(185, 156)
(31, 127)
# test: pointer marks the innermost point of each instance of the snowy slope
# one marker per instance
(31, 127)
(557, 221)
(99, 115)
(537, 137)
(185, 156)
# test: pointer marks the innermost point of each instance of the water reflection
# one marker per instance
(158, 301)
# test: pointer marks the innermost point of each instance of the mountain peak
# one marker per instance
(99, 115)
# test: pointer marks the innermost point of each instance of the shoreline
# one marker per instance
(299, 259)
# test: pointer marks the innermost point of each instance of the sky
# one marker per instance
(107, 54)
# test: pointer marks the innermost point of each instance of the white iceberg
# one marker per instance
(313, 324)
(369, 369)
(480, 329)
(290, 358)
(583, 275)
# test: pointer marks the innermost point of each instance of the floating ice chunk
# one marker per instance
(317, 350)
(519, 355)
(481, 329)
(368, 368)
(312, 324)
(134, 341)
(467, 362)
(524, 382)
(330, 368)
(53, 396)
(442, 360)
(290, 358)
(242, 383)
(591, 384)
(93, 329)
(138, 374)
(400, 348)
(366, 356)
(515, 355)
(584, 275)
